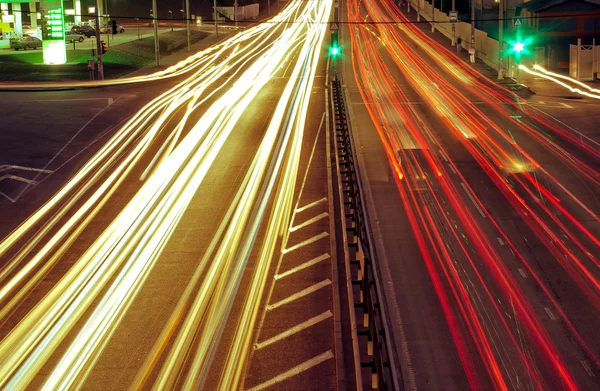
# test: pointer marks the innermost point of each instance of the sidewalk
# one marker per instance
(529, 85)
(182, 54)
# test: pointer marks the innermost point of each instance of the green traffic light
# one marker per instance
(518, 47)
(334, 51)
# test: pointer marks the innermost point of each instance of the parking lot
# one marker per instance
(131, 33)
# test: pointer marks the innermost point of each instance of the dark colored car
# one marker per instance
(26, 42)
(84, 30)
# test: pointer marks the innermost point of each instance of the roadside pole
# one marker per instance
(432, 16)
(418, 10)
(98, 45)
(155, 20)
(500, 40)
(269, 6)
(473, 23)
(453, 25)
(235, 5)
(187, 13)
(215, 16)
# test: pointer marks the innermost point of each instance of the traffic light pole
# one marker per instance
(500, 40)
(187, 13)
(155, 20)
(99, 45)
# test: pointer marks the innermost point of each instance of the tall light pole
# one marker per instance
(187, 24)
(171, 15)
(473, 23)
(99, 45)
(433, 16)
(500, 40)
(155, 20)
(453, 24)
(215, 16)
(235, 5)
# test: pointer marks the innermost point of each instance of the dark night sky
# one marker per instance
(122, 9)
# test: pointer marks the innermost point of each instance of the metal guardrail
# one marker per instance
(374, 341)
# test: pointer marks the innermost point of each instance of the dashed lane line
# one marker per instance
(294, 371)
(311, 205)
(303, 266)
(306, 242)
(294, 330)
(309, 222)
(298, 295)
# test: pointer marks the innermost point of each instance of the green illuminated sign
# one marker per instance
(56, 23)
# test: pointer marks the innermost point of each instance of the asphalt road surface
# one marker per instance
(174, 232)
(485, 214)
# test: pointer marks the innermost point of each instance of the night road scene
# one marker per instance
(300, 195)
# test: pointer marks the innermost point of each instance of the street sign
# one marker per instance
(453, 16)
(518, 21)
(333, 26)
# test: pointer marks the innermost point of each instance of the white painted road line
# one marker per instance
(549, 312)
(312, 204)
(18, 178)
(500, 241)
(473, 200)
(294, 330)
(306, 242)
(6, 167)
(298, 295)
(303, 266)
(587, 368)
(566, 105)
(522, 273)
(309, 222)
(294, 371)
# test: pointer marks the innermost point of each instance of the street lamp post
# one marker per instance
(155, 20)
(500, 40)
(215, 16)
(453, 24)
(235, 5)
(99, 45)
(473, 23)
(171, 15)
(187, 24)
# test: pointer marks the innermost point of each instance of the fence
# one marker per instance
(244, 12)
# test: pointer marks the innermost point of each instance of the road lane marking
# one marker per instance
(6, 167)
(309, 222)
(306, 242)
(501, 241)
(566, 105)
(294, 330)
(473, 200)
(302, 266)
(294, 371)
(549, 312)
(522, 273)
(298, 295)
(587, 368)
(17, 178)
(312, 204)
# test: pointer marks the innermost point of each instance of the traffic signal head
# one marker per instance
(104, 47)
(518, 46)
(334, 50)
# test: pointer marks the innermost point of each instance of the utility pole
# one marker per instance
(155, 20)
(269, 6)
(99, 45)
(187, 14)
(235, 5)
(453, 24)
(473, 23)
(215, 16)
(433, 16)
(500, 40)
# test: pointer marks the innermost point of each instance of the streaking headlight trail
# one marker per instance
(106, 278)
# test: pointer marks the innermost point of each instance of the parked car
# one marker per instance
(108, 29)
(72, 37)
(84, 30)
(25, 42)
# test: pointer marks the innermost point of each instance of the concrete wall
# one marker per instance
(245, 12)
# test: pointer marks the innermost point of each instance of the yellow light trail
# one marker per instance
(543, 73)
(113, 269)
